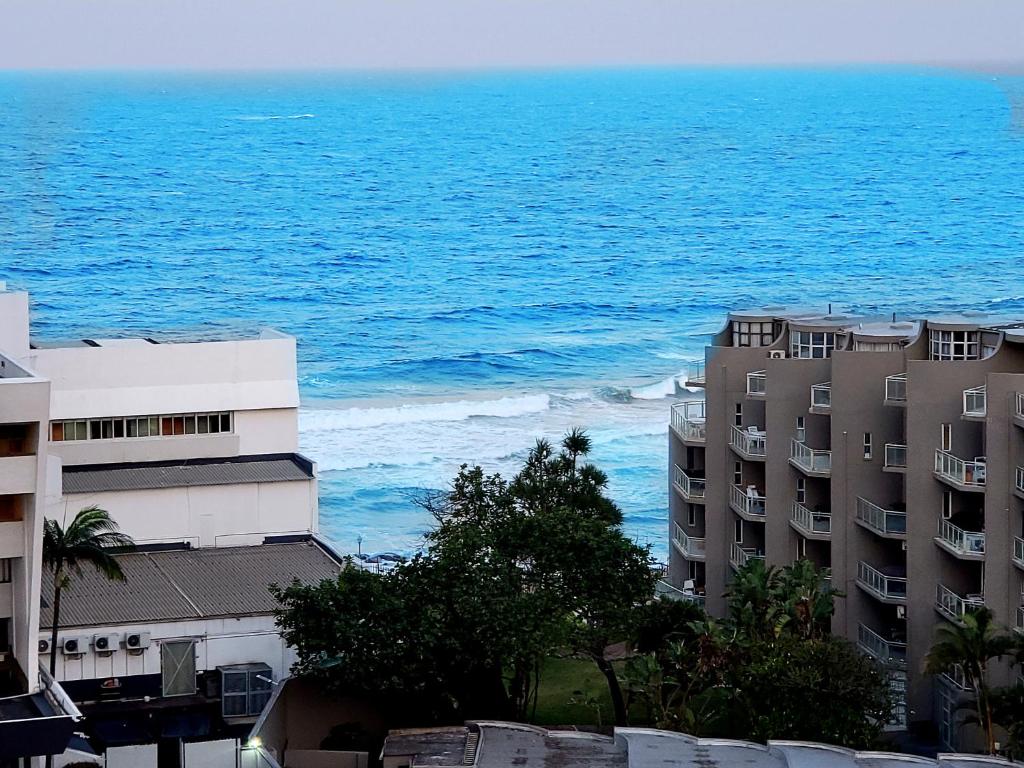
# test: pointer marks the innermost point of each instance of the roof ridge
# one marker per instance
(177, 587)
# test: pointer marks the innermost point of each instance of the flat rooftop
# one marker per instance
(144, 475)
(200, 337)
(188, 584)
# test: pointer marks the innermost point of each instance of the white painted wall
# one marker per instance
(220, 642)
(209, 515)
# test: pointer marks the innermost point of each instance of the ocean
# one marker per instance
(474, 261)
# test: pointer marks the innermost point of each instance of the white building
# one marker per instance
(191, 447)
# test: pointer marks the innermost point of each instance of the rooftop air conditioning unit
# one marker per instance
(136, 641)
(72, 646)
(44, 645)
(777, 354)
(105, 644)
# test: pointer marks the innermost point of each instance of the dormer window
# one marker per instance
(811, 344)
(954, 345)
(758, 334)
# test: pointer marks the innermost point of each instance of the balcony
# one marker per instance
(747, 503)
(696, 376)
(1018, 483)
(896, 389)
(813, 525)
(1018, 411)
(688, 422)
(895, 458)
(821, 398)
(974, 404)
(689, 547)
(751, 443)
(1018, 552)
(962, 475)
(1018, 623)
(12, 539)
(663, 589)
(890, 650)
(17, 475)
(888, 587)
(690, 488)
(952, 606)
(887, 523)
(740, 556)
(810, 461)
(962, 544)
(955, 676)
(757, 384)
(36, 724)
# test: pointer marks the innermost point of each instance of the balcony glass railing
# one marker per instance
(821, 395)
(810, 459)
(896, 388)
(956, 676)
(895, 456)
(690, 546)
(750, 442)
(1018, 550)
(952, 605)
(974, 402)
(688, 421)
(885, 521)
(887, 651)
(1020, 405)
(747, 501)
(690, 487)
(695, 373)
(963, 542)
(1019, 620)
(757, 383)
(958, 471)
(740, 555)
(1019, 481)
(809, 521)
(882, 585)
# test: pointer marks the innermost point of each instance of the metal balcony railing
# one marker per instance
(974, 402)
(757, 383)
(747, 501)
(953, 606)
(691, 547)
(739, 556)
(695, 373)
(896, 388)
(821, 396)
(970, 474)
(895, 456)
(966, 543)
(813, 523)
(688, 421)
(692, 488)
(883, 521)
(809, 459)
(956, 676)
(748, 443)
(880, 584)
(887, 651)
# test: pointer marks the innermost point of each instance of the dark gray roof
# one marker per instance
(187, 584)
(269, 468)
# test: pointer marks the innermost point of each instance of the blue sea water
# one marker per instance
(471, 261)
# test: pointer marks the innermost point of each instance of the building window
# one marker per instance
(691, 515)
(178, 667)
(692, 569)
(801, 431)
(801, 547)
(737, 473)
(801, 490)
(739, 531)
(954, 345)
(5, 570)
(876, 346)
(140, 426)
(738, 419)
(947, 706)
(746, 334)
(244, 692)
(947, 505)
(947, 437)
(811, 344)
(867, 446)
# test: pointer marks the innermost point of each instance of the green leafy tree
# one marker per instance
(969, 646)
(88, 540)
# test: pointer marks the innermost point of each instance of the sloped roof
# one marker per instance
(187, 584)
(136, 476)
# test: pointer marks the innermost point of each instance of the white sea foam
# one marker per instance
(657, 391)
(258, 118)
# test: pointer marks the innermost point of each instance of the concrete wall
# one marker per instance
(211, 515)
(219, 642)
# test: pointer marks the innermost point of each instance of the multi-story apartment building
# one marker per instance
(192, 449)
(891, 453)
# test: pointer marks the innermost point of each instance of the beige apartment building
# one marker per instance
(891, 453)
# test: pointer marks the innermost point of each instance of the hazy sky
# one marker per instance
(316, 34)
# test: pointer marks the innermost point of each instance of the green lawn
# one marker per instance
(559, 679)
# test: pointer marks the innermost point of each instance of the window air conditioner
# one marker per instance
(777, 354)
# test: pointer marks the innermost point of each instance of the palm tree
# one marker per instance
(86, 541)
(752, 600)
(809, 599)
(971, 645)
